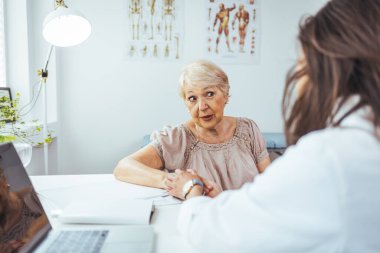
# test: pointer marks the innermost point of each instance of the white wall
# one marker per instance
(106, 104)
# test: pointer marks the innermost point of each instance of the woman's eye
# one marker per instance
(191, 98)
(210, 94)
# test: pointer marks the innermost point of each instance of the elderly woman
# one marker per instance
(224, 151)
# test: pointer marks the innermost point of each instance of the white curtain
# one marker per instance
(3, 77)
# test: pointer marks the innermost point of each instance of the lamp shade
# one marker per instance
(65, 27)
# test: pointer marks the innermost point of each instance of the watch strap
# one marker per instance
(189, 185)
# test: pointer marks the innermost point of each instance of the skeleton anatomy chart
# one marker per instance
(233, 31)
(155, 29)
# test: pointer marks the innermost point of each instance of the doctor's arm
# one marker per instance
(290, 204)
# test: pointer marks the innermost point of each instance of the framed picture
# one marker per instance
(5, 92)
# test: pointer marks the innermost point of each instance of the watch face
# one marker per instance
(196, 181)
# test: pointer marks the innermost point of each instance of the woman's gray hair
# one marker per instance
(202, 74)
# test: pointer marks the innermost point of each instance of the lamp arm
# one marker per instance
(43, 73)
(48, 56)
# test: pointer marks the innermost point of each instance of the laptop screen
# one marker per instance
(23, 222)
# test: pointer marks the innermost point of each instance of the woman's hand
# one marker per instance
(211, 188)
(175, 182)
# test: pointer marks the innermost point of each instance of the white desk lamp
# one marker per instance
(63, 27)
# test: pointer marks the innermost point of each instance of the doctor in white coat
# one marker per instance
(323, 194)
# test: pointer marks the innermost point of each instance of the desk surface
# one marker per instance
(57, 191)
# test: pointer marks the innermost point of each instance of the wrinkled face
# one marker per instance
(205, 105)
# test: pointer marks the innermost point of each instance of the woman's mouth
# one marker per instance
(207, 118)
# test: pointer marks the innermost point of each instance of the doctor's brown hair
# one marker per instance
(341, 50)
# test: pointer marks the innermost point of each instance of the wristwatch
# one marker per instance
(188, 186)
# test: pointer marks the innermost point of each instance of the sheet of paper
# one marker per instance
(119, 191)
(108, 211)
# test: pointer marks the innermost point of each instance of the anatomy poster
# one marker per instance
(155, 29)
(233, 31)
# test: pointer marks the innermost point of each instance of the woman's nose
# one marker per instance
(202, 105)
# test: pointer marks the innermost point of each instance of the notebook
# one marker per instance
(28, 229)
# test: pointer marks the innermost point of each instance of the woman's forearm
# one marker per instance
(131, 171)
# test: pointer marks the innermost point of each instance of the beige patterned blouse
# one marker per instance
(229, 164)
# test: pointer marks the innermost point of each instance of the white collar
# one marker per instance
(361, 118)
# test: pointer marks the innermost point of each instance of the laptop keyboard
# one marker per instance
(86, 241)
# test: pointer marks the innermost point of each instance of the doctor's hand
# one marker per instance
(211, 188)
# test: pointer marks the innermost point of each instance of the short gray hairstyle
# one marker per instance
(201, 74)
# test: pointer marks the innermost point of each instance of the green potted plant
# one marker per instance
(13, 128)
(12, 125)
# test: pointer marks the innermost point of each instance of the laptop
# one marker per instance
(25, 227)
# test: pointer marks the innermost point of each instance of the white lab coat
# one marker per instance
(322, 195)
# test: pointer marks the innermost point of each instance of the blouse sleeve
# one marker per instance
(170, 144)
(258, 144)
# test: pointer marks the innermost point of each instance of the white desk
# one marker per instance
(57, 191)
